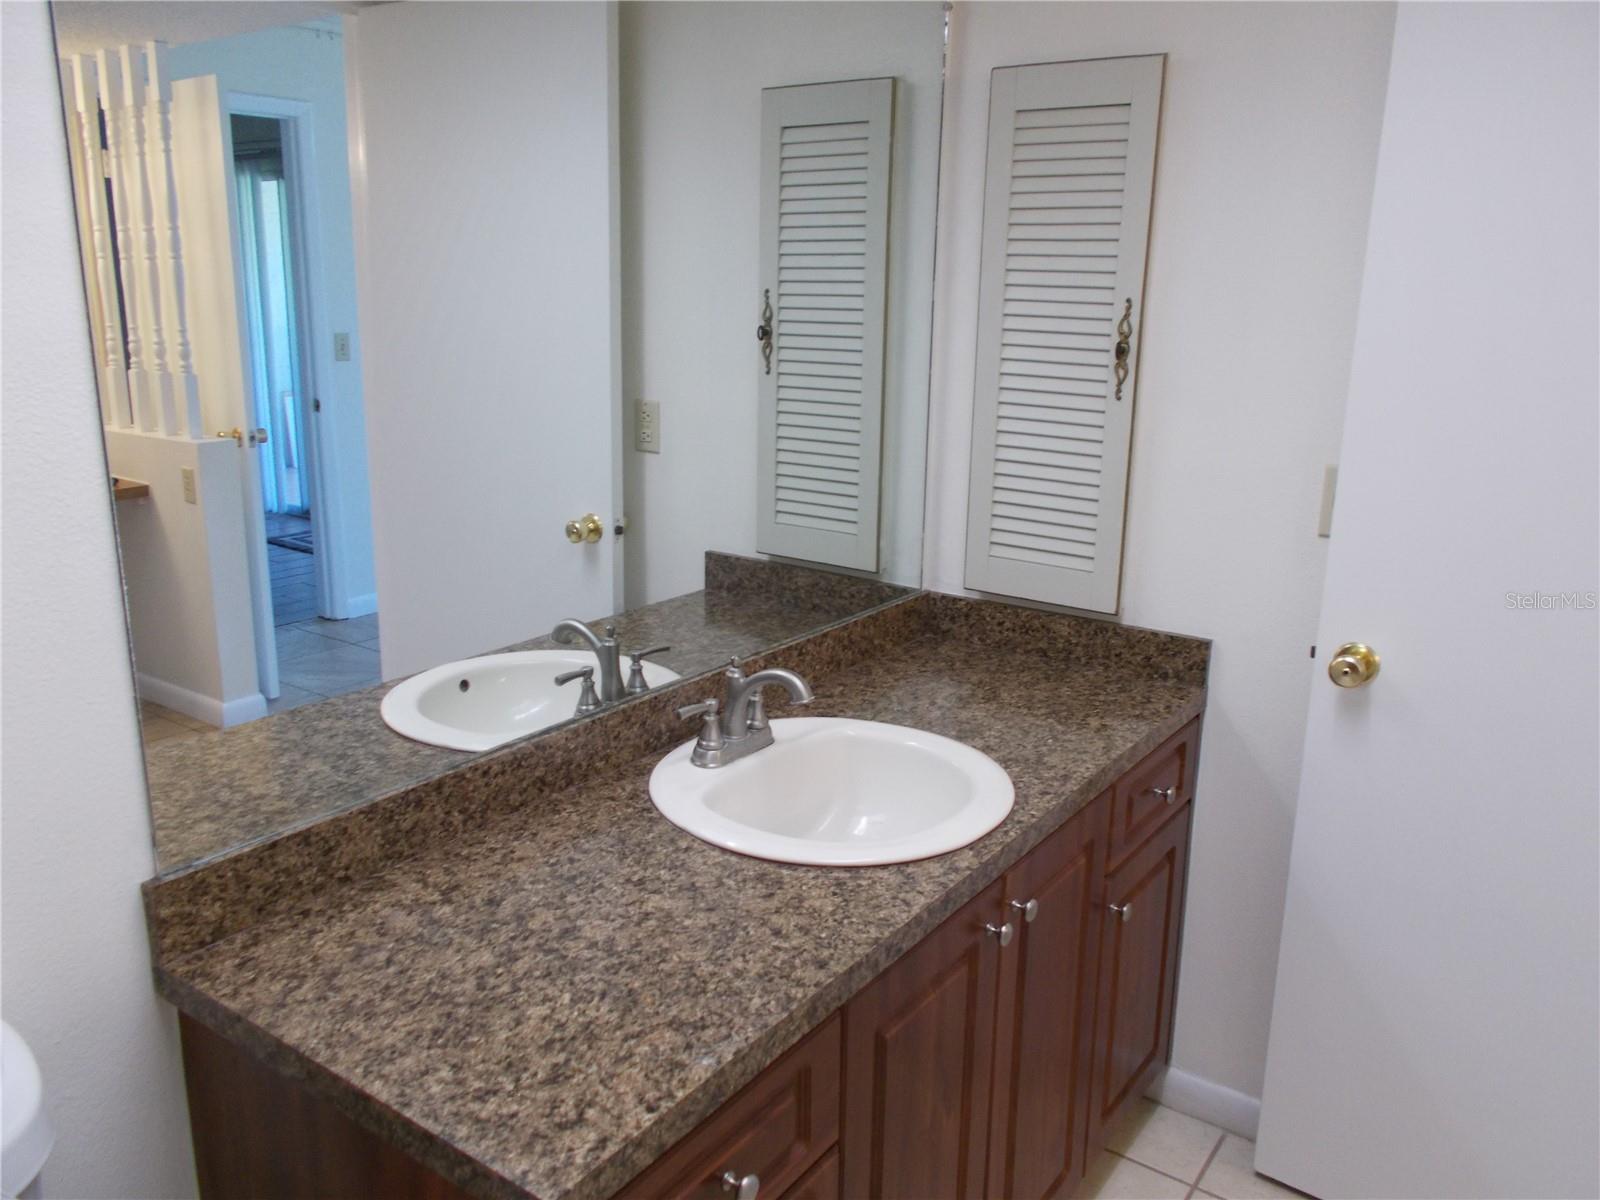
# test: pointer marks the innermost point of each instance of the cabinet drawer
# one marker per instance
(1147, 795)
(781, 1123)
(821, 1182)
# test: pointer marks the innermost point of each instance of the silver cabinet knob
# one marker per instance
(1003, 932)
(1168, 794)
(741, 1187)
(1125, 911)
(1028, 908)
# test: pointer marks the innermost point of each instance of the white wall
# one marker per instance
(1263, 185)
(486, 249)
(188, 587)
(74, 834)
(691, 80)
(307, 64)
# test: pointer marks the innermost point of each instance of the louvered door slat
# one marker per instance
(1066, 218)
(824, 228)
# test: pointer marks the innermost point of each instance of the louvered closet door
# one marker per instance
(824, 236)
(1065, 221)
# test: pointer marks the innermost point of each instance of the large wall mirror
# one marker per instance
(559, 332)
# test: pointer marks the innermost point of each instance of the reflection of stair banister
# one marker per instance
(133, 252)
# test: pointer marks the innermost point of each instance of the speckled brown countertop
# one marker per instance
(545, 1003)
(214, 792)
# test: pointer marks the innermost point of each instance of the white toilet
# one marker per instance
(27, 1133)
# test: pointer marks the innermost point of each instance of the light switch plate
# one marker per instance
(647, 427)
(189, 496)
(341, 347)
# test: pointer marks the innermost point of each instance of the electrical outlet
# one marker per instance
(647, 427)
(341, 347)
(188, 486)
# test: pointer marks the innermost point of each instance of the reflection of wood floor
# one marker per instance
(316, 658)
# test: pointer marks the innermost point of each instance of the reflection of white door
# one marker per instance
(1436, 1029)
(484, 184)
(203, 171)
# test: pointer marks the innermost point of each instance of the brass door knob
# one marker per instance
(586, 528)
(1354, 665)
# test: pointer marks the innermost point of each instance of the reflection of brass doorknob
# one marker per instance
(586, 528)
(1353, 665)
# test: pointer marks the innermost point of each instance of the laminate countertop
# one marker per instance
(545, 1004)
(215, 792)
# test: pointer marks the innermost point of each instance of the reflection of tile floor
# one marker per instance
(294, 581)
(316, 659)
(1163, 1155)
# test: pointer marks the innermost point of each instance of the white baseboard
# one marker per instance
(222, 713)
(1210, 1102)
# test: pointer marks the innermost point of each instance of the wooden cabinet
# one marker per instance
(1146, 797)
(1138, 972)
(781, 1125)
(1045, 1018)
(990, 1062)
(918, 1047)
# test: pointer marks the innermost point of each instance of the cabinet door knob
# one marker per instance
(1125, 911)
(741, 1187)
(1168, 794)
(1003, 932)
(1028, 908)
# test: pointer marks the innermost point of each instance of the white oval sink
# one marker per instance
(481, 703)
(833, 792)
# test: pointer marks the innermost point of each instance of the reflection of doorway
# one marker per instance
(273, 321)
(316, 657)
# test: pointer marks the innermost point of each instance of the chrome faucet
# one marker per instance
(607, 651)
(740, 727)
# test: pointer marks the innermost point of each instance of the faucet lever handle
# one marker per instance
(636, 681)
(711, 729)
(588, 701)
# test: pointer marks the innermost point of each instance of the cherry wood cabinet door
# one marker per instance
(775, 1128)
(1045, 1020)
(919, 1048)
(1142, 916)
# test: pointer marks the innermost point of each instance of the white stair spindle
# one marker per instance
(98, 255)
(164, 189)
(123, 167)
(146, 264)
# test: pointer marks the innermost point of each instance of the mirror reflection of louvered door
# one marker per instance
(825, 161)
(1066, 219)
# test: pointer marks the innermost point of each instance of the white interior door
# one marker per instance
(1436, 1028)
(208, 208)
(484, 177)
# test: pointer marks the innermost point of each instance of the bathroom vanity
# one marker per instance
(520, 980)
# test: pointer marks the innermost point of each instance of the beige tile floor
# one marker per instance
(316, 659)
(1160, 1154)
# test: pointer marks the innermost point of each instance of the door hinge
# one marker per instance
(316, 404)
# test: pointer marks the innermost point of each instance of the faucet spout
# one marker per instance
(744, 694)
(607, 651)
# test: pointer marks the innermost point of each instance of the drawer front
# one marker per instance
(1146, 796)
(821, 1182)
(780, 1124)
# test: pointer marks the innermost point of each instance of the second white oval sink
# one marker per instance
(838, 792)
(481, 703)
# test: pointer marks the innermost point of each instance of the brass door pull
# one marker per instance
(1124, 346)
(586, 528)
(764, 330)
(1354, 665)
